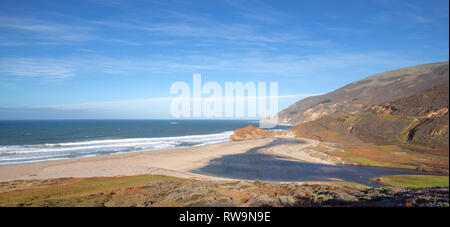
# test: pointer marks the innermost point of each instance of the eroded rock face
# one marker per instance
(439, 113)
(383, 109)
(250, 132)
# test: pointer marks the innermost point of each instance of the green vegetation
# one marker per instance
(151, 190)
(338, 183)
(350, 184)
(364, 161)
(414, 181)
(389, 117)
(77, 192)
(358, 117)
(369, 162)
(330, 133)
(404, 133)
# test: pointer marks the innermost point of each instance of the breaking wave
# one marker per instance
(16, 154)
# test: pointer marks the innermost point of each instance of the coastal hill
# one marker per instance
(420, 119)
(373, 90)
(409, 132)
(395, 119)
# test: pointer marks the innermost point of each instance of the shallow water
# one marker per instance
(254, 165)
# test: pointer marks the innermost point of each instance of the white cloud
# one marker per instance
(385, 17)
(46, 30)
(37, 67)
(253, 62)
(120, 104)
(258, 10)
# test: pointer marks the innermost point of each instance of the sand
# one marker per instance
(171, 162)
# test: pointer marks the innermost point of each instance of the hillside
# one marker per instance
(373, 90)
(411, 131)
(429, 114)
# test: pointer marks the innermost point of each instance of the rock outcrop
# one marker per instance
(250, 132)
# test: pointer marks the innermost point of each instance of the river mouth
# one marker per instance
(254, 165)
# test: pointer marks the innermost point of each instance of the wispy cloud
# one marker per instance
(45, 30)
(206, 30)
(149, 101)
(32, 31)
(398, 16)
(258, 11)
(155, 107)
(49, 69)
(40, 32)
(53, 113)
(5, 84)
(257, 63)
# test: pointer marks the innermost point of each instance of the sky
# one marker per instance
(117, 59)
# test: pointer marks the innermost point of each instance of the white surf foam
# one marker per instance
(14, 154)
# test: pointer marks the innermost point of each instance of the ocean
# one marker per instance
(41, 140)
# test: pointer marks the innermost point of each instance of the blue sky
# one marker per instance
(118, 59)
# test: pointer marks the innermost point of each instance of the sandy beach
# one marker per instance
(270, 159)
(172, 162)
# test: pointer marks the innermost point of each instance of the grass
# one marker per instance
(77, 192)
(350, 185)
(404, 133)
(338, 183)
(395, 156)
(414, 181)
(364, 161)
(370, 162)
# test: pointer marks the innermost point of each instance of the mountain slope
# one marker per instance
(411, 131)
(373, 90)
(429, 113)
(419, 119)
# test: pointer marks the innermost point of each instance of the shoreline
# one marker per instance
(34, 150)
(176, 162)
(269, 159)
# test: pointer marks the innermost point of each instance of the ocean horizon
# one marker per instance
(26, 141)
